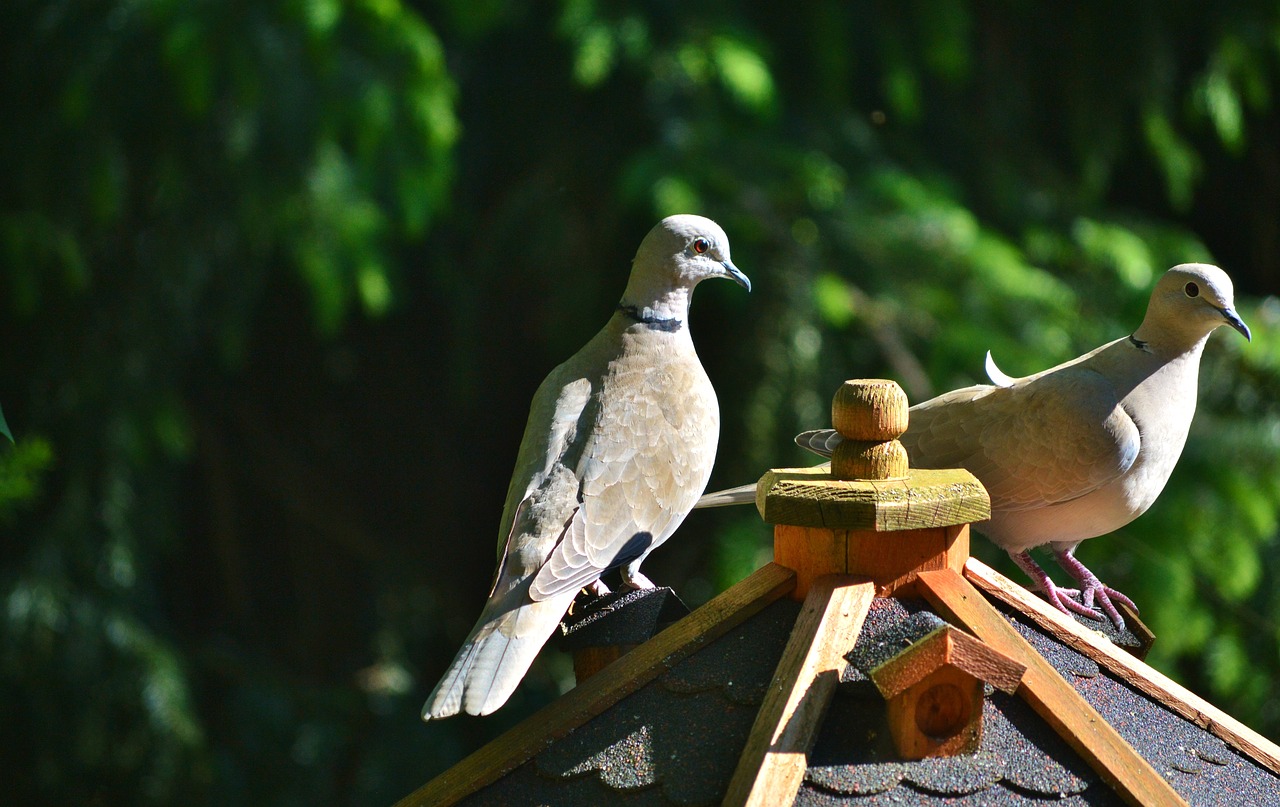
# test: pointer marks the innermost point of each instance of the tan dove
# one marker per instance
(618, 446)
(1078, 450)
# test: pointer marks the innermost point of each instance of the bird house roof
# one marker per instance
(709, 711)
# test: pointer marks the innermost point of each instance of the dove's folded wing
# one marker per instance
(1042, 441)
(641, 472)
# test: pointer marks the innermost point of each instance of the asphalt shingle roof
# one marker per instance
(677, 739)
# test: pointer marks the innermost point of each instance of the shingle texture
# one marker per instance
(1021, 759)
(674, 742)
(677, 740)
(1201, 767)
(629, 616)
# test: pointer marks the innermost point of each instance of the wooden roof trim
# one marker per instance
(775, 756)
(1139, 675)
(1055, 700)
(621, 678)
(947, 645)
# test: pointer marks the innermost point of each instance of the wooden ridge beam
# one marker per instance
(773, 761)
(1055, 700)
(621, 678)
(1142, 677)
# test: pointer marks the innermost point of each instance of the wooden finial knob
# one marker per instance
(871, 415)
(871, 409)
(862, 459)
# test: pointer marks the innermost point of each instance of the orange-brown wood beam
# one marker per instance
(890, 559)
(615, 682)
(1123, 665)
(1077, 722)
(775, 757)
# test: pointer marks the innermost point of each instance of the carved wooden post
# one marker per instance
(871, 515)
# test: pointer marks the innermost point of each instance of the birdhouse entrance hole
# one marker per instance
(943, 710)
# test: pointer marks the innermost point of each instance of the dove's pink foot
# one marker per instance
(1091, 586)
(1062, 599)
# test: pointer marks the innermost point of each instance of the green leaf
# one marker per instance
(832, 298)
(744, 73)
(4, 427)
(1177, 158)
(595, 56)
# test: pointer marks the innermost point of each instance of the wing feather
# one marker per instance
(1040, 441)
(646, 462)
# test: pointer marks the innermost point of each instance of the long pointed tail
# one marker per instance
(494, 658)
(745, 494)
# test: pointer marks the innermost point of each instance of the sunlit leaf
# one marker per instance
(322, 15)
(833, 300)
(1219, 100)
(1178, 160)
(374, 288)
(1119, 248)
(21, 469)
(1227, 660)
(595, 56)
(743, 72)
(672, 195)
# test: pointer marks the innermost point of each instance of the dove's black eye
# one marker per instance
(1191, 290)
(700, 245)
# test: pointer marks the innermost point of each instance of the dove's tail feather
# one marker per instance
(820, 441)
(494, 658)
(745, 494)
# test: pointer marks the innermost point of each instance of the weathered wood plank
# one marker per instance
(1124, 666)
(774, 759)
(1075, 720)
(809, 497)
(947, 646)
(615, 682)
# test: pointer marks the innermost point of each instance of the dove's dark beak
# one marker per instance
(736, 275)
(1233, 319)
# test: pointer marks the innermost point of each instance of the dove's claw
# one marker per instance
(1064, 598)
(1091, 588)
(1069, 601)
(1056, 596)
(1115, 595)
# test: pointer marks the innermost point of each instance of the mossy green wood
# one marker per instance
(809, 497)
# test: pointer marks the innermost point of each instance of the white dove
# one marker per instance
(1078, 450)
(619, 444)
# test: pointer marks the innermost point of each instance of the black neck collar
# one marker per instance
(657, 323)
(1139, 344)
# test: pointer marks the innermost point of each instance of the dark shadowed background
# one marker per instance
(279, 279)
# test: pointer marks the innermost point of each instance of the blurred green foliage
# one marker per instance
(278, 279)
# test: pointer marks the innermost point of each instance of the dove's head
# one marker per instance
(678, 253)
(1188, 303)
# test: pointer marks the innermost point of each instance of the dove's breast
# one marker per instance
(658, 398)
(1161, 404)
